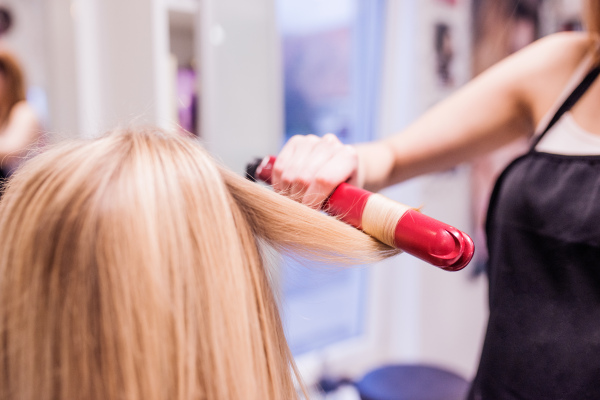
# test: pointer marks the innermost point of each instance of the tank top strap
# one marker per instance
(582, 85)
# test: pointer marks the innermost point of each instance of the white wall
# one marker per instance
(106, 64)
(242, 96)
(122, 61)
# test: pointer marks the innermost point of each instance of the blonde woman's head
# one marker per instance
(129, 269)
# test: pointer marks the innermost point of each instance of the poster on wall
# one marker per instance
(444, 54)
(5, 20)
(448, 46)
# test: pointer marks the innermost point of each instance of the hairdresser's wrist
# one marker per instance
(375, 163)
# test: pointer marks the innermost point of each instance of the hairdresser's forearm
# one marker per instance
(436, 142)
(489, 112)
(502, 104)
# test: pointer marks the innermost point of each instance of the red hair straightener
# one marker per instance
(392, 223)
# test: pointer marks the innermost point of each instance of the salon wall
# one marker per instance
(115, 54)
(242, 98)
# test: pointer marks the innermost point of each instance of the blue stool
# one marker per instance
(412, 382)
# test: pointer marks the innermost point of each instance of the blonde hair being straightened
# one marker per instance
(130, 268)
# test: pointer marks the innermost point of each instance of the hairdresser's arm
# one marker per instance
(495, 108)
(21, 132)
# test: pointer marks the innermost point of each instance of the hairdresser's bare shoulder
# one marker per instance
(23, 110)
(22, 130)
(23, 118)
(545, 67)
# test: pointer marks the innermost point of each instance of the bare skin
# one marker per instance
(21, 132)
(504, 103)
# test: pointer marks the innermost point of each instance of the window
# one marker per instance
(331, 58)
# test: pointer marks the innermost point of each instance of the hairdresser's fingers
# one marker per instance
(285, 160)
(342, 167)
(309, 161)
(292, 162)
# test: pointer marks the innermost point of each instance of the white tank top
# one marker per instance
(567, 136)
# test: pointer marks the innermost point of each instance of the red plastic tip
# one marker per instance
(433, 241)
(467, 255)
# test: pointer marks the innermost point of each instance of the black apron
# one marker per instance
(543, 229)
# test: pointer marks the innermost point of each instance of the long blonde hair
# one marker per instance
(130, 268)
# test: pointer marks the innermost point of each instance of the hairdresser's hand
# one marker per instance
(309, 168)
